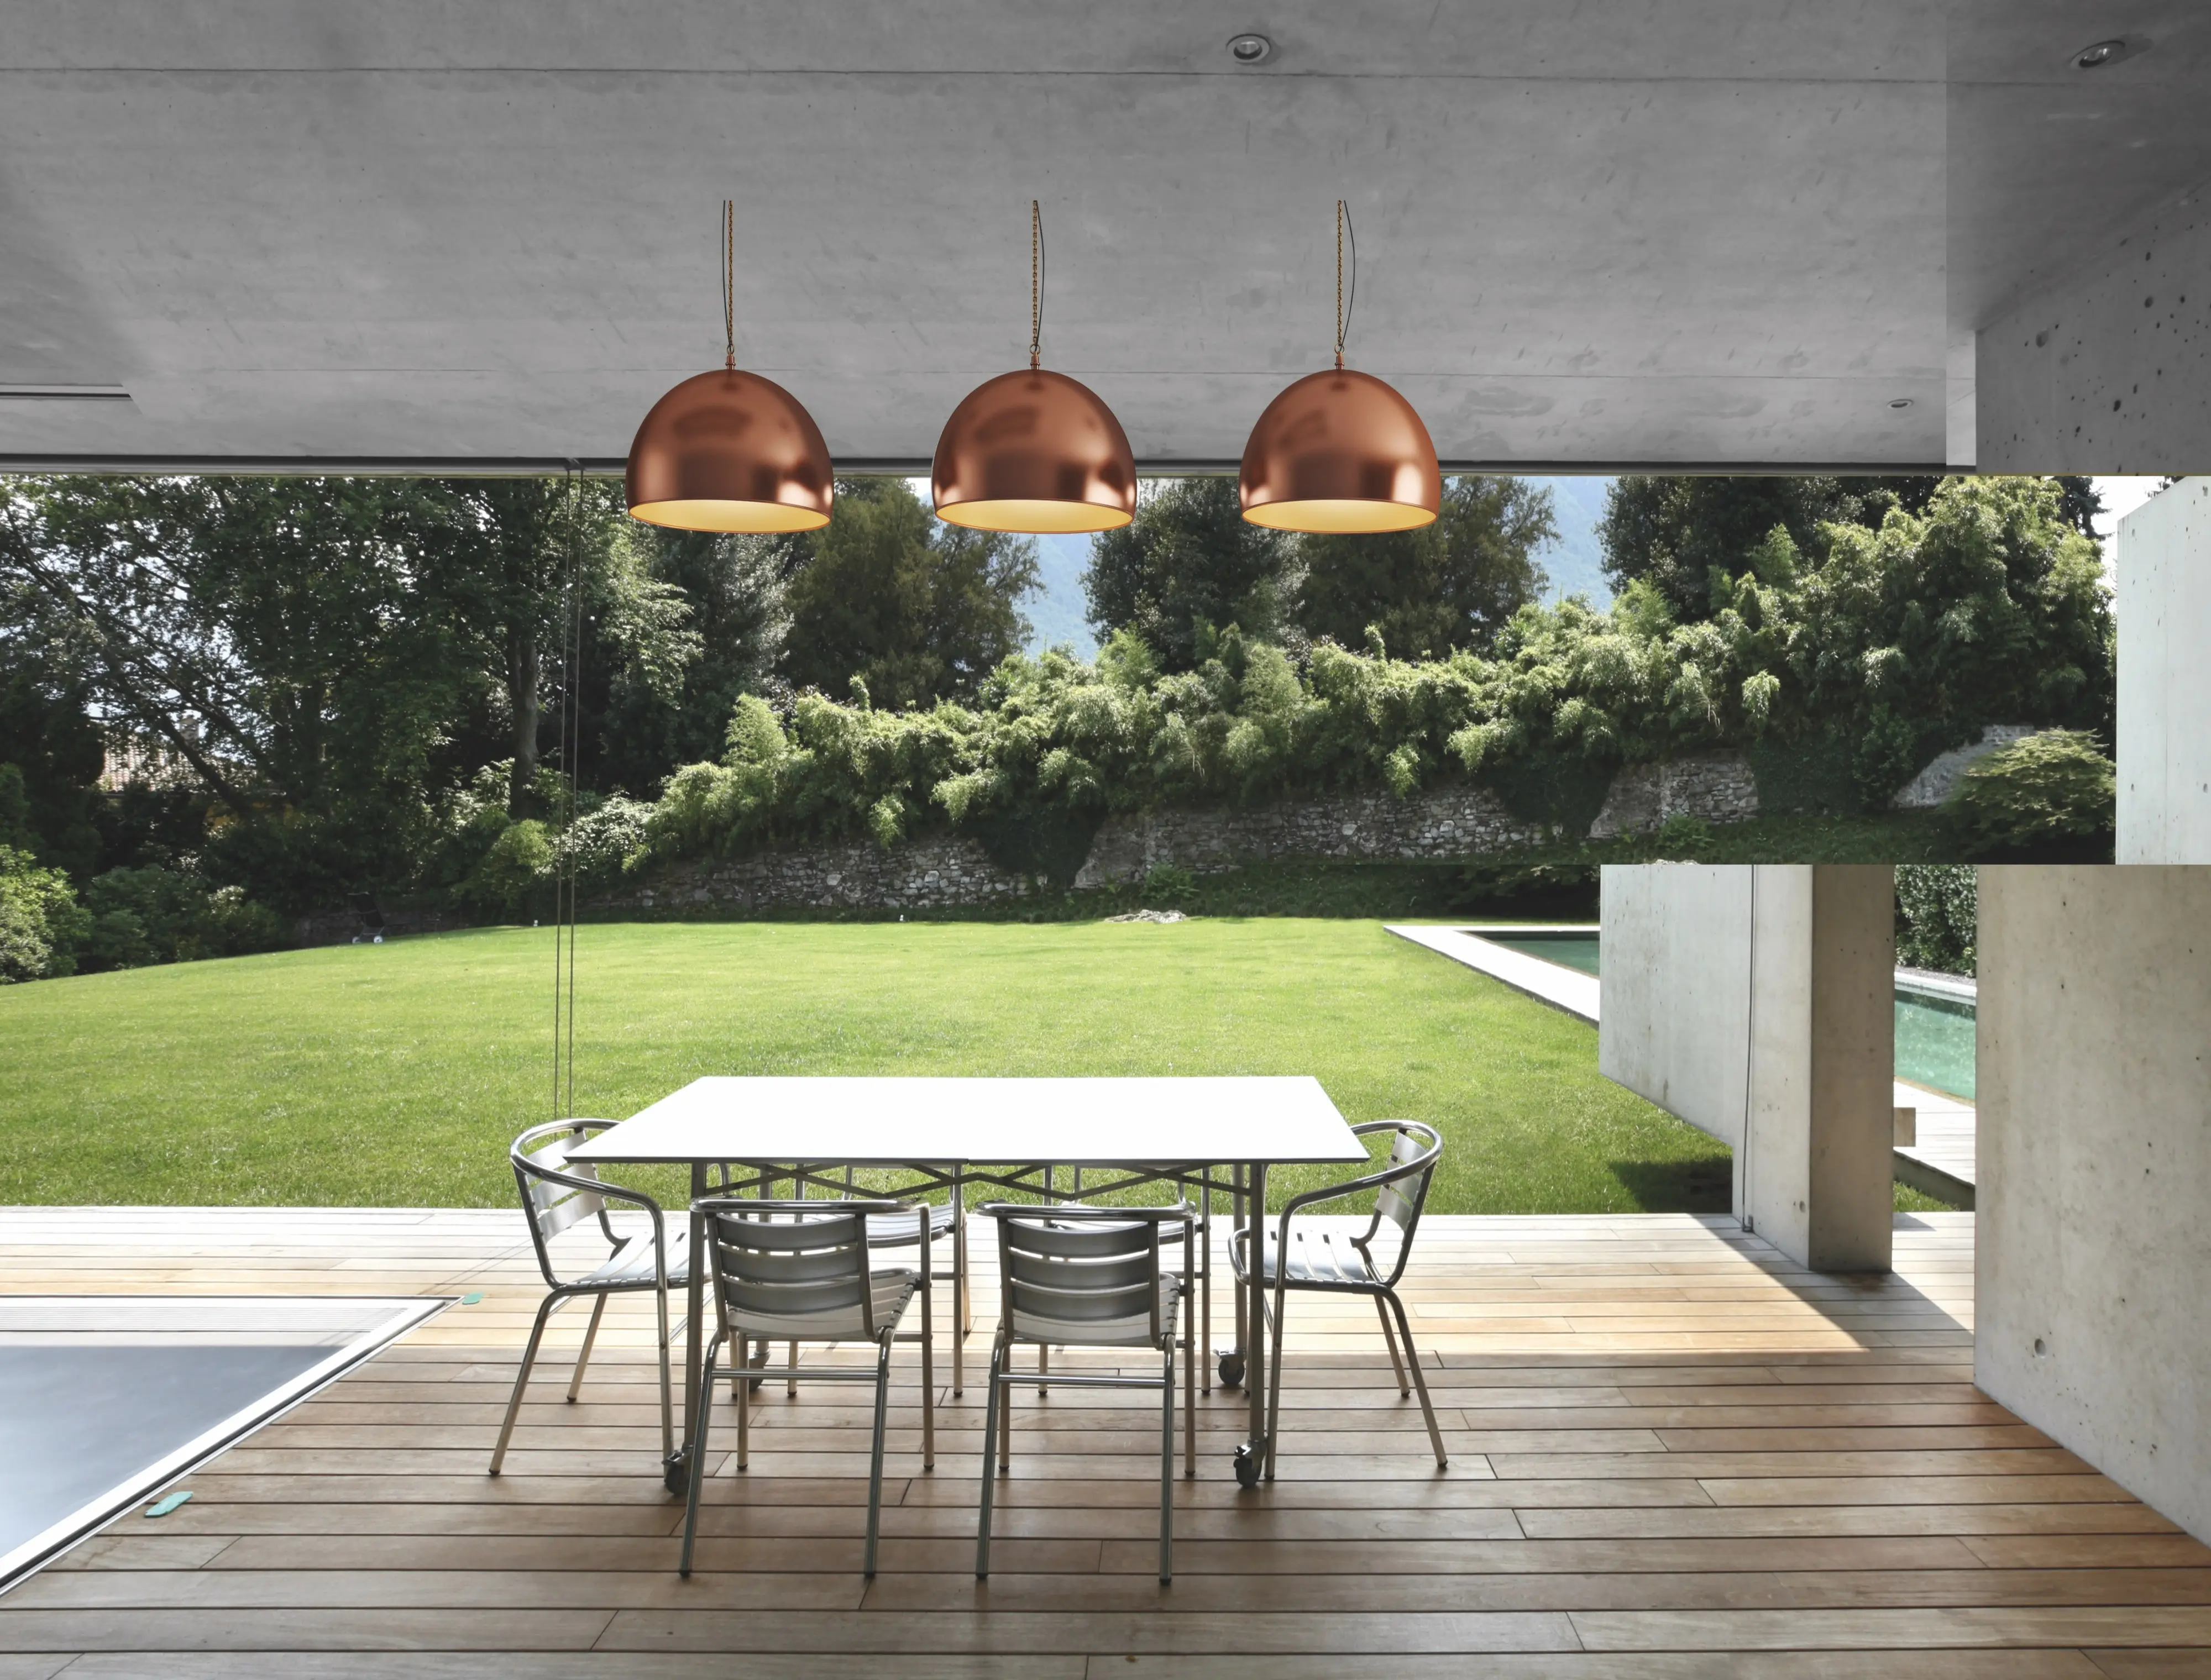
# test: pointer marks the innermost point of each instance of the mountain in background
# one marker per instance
(1574, 566)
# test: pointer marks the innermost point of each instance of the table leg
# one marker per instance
(1253, 1455)
(695, 1330)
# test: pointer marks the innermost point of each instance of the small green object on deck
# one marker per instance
(168, 1502)
(472, 1297)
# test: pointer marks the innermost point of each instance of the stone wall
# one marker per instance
(1444, 823)
(940, 871)
(1712, 787)
(1936, 783)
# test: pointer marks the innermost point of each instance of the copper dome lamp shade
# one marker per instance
(729, 451)
(1034, 451)
(1340, 450)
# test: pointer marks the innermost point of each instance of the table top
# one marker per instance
(895, 1121)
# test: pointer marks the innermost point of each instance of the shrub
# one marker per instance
(39, 920)
(2052, 789)
(1937, 916)
(1167, 886)
(138, 917)
(516, 872)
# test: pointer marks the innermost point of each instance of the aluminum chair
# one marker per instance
(557, 1194)
(1230, 1364)
(801, 1272)
(890, 1232)
(1324, 1262)
(1089, 1278)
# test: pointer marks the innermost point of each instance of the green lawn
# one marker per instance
(396, 1075)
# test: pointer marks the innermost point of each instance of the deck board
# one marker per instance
(1674, 1454)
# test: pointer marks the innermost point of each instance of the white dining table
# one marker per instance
(954, 1133)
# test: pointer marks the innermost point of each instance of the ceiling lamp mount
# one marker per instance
(1034, 451)
(1340, 450)
(729, 450)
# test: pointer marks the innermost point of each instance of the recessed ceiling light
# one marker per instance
(2106, 53)
(1899, 403)
(1250, 49)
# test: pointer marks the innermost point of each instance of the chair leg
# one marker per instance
(928, 1370)
(876, 1459)
(522, 1378)
(1190, 1384)
(1044, 1369)
(744, 1411)
(1419, 1382)
(1390, 1337)
(1166, 1459)
(1205, 1293)
(583, 1353)
(1274, 1371)
(698, 1466)
(791, 1382)
(990, 1434)
(667, 1394)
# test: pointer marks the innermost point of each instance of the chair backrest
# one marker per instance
(556, 1193)
(1074, 1269)
(1414, 1152)
(793, 1261)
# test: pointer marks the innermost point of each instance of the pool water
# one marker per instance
(1935, 1043)
(1571, 951)
(1934, 1036)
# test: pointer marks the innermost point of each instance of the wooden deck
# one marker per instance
(1674, 1456)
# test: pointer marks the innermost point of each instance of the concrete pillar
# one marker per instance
(2093, 1256)
(2164, 610)
(1757, 1003)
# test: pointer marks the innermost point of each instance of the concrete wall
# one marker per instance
(2093, 1261)
(2165, 681)
(1757, 1004)
(2111, 371)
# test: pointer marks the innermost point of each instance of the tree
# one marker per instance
(1674, 530)
(1447, 586)
(1188, 566)
(918, 610)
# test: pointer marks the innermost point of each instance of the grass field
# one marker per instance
(395, 1074)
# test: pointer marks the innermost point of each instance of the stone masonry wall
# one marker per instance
(1441, 825)
(1713, 786)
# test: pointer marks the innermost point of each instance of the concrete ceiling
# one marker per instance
(1617, 232)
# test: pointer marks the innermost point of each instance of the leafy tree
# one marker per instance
(1937, 916)
(917, 610)
(2055, 788)
(1188, 566)
(1447, 586)
(1674, 531)
(40, 921)
(51, 745)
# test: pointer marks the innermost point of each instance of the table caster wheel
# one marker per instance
(676, 1475)
(1247, 1466)
(1232, 1370)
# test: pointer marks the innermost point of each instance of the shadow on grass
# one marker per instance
(1704, 1186)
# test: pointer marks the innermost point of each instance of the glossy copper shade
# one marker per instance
(1034, 451)
(730, 451)
(1341, 451)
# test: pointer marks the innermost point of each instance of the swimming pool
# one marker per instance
(1934, 1034)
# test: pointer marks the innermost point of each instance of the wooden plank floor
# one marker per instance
(1673, 1455)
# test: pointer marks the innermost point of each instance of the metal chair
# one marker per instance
(800, 1271)
(892, 1232)
(558, 1193)
(1091, 1278)
(1202, 1283)
(1324, 1263)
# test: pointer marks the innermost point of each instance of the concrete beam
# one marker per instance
(1757, 1003)
(2164, 569)
(2092, 1254)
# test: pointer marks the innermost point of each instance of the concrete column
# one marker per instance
(2164, 609)
(2092, 1255)
(1757, 1003)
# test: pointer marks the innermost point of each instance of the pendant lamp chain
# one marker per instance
(729, 283)
(1342, 309)
(1036, 283)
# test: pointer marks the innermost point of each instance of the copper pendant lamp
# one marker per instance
(729, 451)
(1034, 451)
(1340, 450)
